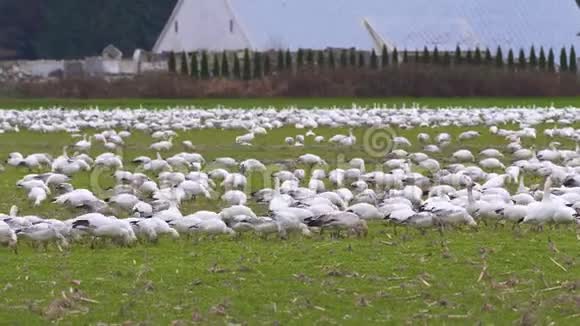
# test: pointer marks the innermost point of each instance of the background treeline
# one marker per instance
(68, 29)
(334, 73)
(248, 64)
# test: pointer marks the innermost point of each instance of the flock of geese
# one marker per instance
(410, 188)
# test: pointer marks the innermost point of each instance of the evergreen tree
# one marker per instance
(374, 60)
(396, 57)
(361, 60)
(247, 72)
(426, 56)
(225, 73)
(522, 60)
(572, 67)
(194, 73)
(184, 70)
(258, 72)
(320, 59)
(563, 60)
(488, 57)
(469, 57)
(511, 60)
(551, 61)
(171, 64)
(299, 59)
(384, 57)
(237, 69)
(417, 57)
(458, 57)
(267, 64)
(216, 66)
(310, 57)
(204, 69)
(533, 58)
(436, 59)
(343, 58)
(280, 63)
(477, 58)
(331, 60)
(446, 58)
(288, 58)
(542, 59)
(352, 57)
(499, 57)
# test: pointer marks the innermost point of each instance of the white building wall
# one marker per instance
(40, 68)
(407, 24)
(202, 24)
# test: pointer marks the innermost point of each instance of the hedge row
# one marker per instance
(249, 65)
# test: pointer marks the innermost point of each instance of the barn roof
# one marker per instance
(410, 24)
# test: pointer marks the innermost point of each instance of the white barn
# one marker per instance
(405, 24)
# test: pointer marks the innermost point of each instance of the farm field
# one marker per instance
(16, 103)
(492, 274)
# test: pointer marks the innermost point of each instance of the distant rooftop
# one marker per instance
(410, 24)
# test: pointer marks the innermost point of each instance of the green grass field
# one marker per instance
(493, 275)
(299, 102)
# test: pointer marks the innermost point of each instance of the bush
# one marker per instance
(414, 80)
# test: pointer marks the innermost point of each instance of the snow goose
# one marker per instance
(193, 189)
(76, 198)
(234, 181)
(246, 138)
(252, 165)
(226, 161)
(234, 197)
(338, 221)
(212, 227)
(453, 215)
(287, 222)
(423, 137)
(311, 159)
(316, 185)
(463, 155)
(421, 220)
(143, 209)
(188, 145)
(491, 152)
(468, 135)
(37, 195)
(542, 212)
(83, 145)
(124, 201)
(365, 211)
(228, 214)
(491, 163)
(163, 145)
(101, 226)
(152, 228)
(157, 165)
(7, 236)
(45, 233)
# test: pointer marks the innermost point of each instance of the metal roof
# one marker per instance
(410, 24)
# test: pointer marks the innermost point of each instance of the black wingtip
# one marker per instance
(315, 223)
(81, 223)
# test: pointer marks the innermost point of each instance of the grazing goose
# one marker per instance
(46, 232)
(341, 221)
(102, 226)
(542, 212)
(234, 197)
(8, 236)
